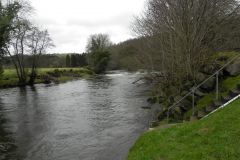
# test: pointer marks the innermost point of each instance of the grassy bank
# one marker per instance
(214, 138)
(57, 75)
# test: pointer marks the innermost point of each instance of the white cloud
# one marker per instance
(70, 22)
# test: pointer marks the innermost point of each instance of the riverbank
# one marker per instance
(216, 137)
(46, 75)
(187, 140)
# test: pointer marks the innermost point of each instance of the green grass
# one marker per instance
(214, 138)
(10, 79)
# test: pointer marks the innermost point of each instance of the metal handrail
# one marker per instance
(198, 86)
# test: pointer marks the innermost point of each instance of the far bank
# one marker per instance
(45, 75)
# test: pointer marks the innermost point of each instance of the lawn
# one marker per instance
(10, 79)
(214, 138)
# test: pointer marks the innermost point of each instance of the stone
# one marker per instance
(234, 93)
(177, 110)
(162, 115)
(154, 124)
(146, 107)
(210, 69)
(152, 100)
(209, 85)
(200, 77)
(233, 69)
(188, 85)
(217, 103)
(193, 118)
(209, 109)
(225, 99)
(177, 98)
(201, 114)
(198, 93)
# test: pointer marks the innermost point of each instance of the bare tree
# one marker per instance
(37, 42)
(181, 34)
(26, 39)
(16, 47)
(98, 42)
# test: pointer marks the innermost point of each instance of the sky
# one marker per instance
(71, 22)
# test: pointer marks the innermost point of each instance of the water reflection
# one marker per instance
(7, 143)
(99, 118)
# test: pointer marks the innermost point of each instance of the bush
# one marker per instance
(1, 71)
(100, 61)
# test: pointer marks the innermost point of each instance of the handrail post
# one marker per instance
(168, 115)
(217, 85)
(193, 100)
(198, 86)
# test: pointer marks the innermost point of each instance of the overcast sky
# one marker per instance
(70, 22)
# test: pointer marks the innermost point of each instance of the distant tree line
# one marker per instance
(76, 60)
(60, 60)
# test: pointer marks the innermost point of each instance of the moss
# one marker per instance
(230, 84)
(222, 57)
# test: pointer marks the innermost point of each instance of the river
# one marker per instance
(93, 119)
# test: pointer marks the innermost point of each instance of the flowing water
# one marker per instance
(94, 119)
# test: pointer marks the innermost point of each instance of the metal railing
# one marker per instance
(193, 90)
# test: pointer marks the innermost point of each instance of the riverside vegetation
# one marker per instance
(46, 75)
(215, 137)
(23, 45)
(182, 43)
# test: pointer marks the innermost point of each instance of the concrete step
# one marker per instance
(225, 99)
(201, 113)
(217, 104)
(193, 118)
(210, 108)
(234, 93)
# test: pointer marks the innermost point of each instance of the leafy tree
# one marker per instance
(101, 60)
(98, 52)
(7, 13)
(73, 60)
(38, 41)
(68, 61)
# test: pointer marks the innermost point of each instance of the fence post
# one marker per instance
(193, 100)
(168, 115)
(217, 85)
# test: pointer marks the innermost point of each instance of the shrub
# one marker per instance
(1, 71)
